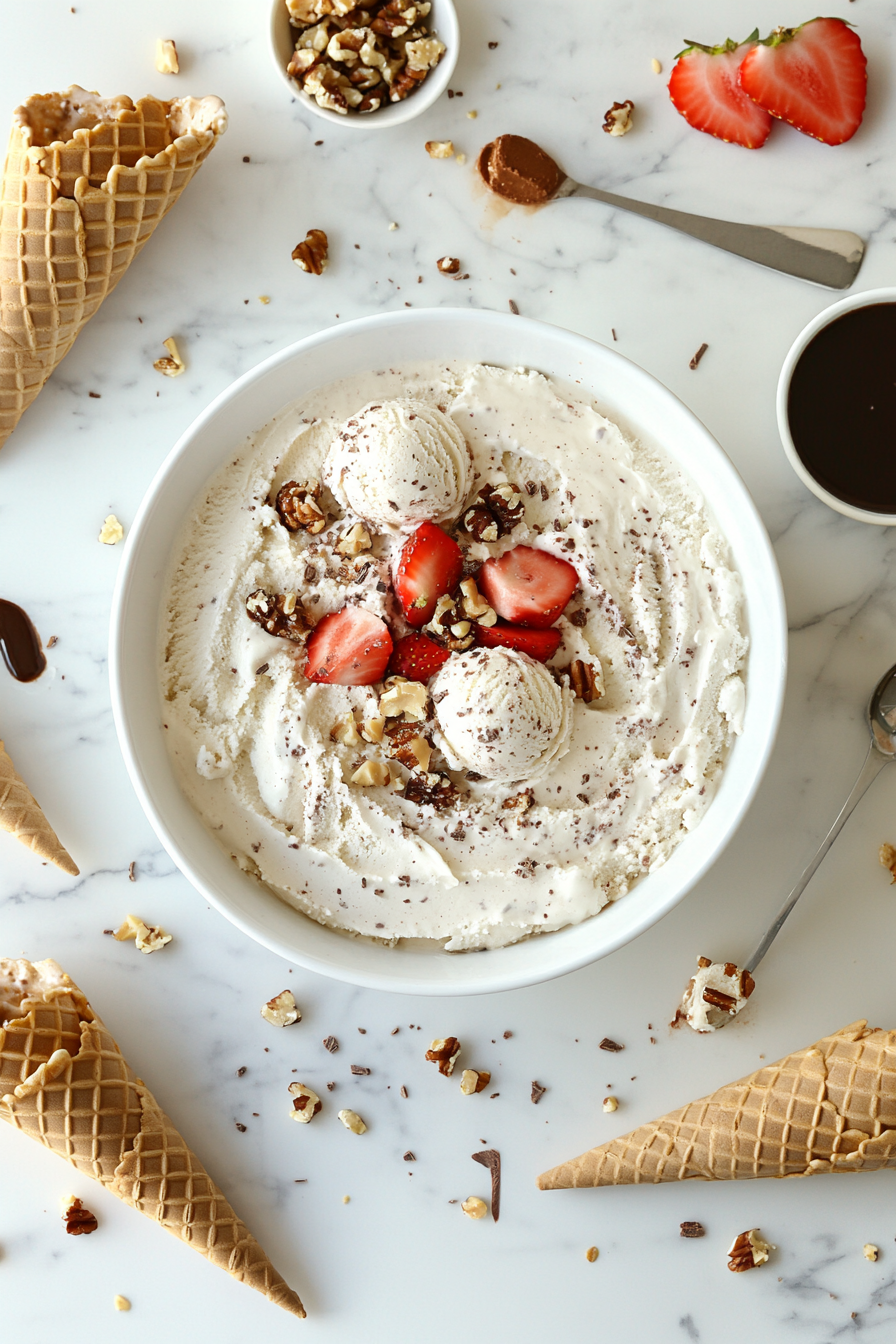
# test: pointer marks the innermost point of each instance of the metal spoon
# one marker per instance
(830, 257)
(881, 750)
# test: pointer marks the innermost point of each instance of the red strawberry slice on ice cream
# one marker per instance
(813, 76)
(350, 647)
(704, 87)
(429, 566)
(539, 644)
(528, 586)
(417, 658)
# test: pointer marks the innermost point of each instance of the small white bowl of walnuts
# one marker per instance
(367, 65)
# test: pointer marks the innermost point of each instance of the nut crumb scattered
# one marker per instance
(473, 1081)
(444, 1052)
(52, 641)
(282, 1010)
(618, 118)
(171, 364)
(448, 265)
(537, 1092)
(461, 159)
(121, 1303)
(166, 57)
(870, 1251)
(591, 1254)
(306, 1104)
(656, 66)
(695, 359)
(148, 937)
(111, 531)
(264, 298)
(353, 1121)
(692, 1230)
(748, 1250)
(887, 856)
(393, 226)
(474, 1207)
(312, 254)
(440, 149)
(610, 1104)
(346, 1199)
(80, 1221)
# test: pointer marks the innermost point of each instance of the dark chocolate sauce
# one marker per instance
(20, 643)
(841, 407)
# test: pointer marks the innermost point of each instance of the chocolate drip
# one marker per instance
(20, 643)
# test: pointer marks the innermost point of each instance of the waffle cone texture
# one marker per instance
(65, 1083)
(22, 816)
(830, 1107)
(85, 183)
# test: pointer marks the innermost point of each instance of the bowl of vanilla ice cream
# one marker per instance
(479, 651)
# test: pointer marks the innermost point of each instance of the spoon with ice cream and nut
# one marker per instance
(524, 174)
(719, 990)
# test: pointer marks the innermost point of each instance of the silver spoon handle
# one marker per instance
(830, 257)
(874, 763)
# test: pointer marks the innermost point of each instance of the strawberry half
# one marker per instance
(527, 586)
(539, 644)
(417, 658)
(350, 647)
(704, 88)
(429, 566)
(814, 77)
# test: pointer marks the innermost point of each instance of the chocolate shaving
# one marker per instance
(537, 1092)
(403, 1090)
(331, 1044)
(240, 1071)
(78, 1220)
(614, 1046)
(409, 1156)
(699, 355)
(507, 1035)
(132, 871)
(692, 1230)
(360, 1070)
(491, 1158)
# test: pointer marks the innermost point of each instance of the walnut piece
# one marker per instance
(408, 745)
(312, 253)
(610, 1104)
(440, 149)
(166, 57)
(474, 1207)
(78, 1220)
(372, 729)
(444, 1052)
(353, 542)
(870, 1251)
(111, 531)
(431, 789)
(748, 1250)
(887, 856)
(279, 614)
(306, 1104)
(495, 512)
(472, 1081)
(618, 118)
(298, 507)
(282, 1010)
(171, 364)
(585, 680)
(445, 625)
(404, 697)
(448, 265)
(121, 1303)
(692, 1230)
(372, 774)
(353, 1121)
(148, 937)
(345, 731)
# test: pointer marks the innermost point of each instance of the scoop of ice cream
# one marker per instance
(718, 991)
(400, 463)
(501, 714)
(519, 170)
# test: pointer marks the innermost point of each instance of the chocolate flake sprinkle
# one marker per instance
(692, 1230)
(331, 1044)
(409, 1156)
(241, 1128)
(699, 355)
(240, 1071)
(613, 1046)
(132, 871)
(360, 1070)
(507, 1035)
(491, 1158)
(537, 1092)
(403, 1090)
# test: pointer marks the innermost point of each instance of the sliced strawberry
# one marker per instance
(527, 586)
(417, 658)
(813, 76)
(430, 565)
(350, 647)
(704, 88)
(539, 644)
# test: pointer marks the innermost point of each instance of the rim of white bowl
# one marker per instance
(504, 973)
(443, 20)
(864, 299)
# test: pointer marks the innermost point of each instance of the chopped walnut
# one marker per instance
(353, 542)
(473, 1081)
(474, 1207)
(585, 679)
(148, 937)
(345, 731)
(372, 774)
(372, 729)
(519, 802)
(444, 1052)
(610, 1104)
(434, 790)
(448, 265)
(298, 507)
(424, 54)
(111, 531)
(591, 1254)
(747, 1251)
(171, 364)
(440, 149)
(166, 57)
(618, 118)
(306, 1104)
(446, 622)
(121, 1303)
(312, 253)
(279, 614)
(310, 11)
(353, 1121)
(408, 745)
(282, 1010)
(403, 697)
(870, 1251)
(692, 1230)
(78, 1220)
(495, 512)
(887, 856)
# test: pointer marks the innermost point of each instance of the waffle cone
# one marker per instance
(22, 816)
(830, 1107)
(68, 1086)
(85, 183)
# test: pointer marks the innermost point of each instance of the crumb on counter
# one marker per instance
(111, 531)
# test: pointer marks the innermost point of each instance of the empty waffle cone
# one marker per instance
(830, 1107)
(22, 816)
(68, 1086)
(85, 183)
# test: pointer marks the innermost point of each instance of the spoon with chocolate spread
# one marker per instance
(521, 172)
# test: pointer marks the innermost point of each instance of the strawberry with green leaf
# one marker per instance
(813, 76)
(704, 87)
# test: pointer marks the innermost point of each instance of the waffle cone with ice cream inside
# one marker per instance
(828, 1108)
(85, 183)
(65, 1083)
(22, 816)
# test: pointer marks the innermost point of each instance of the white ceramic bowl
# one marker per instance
(806, 335)
(442, 21)
(644, 408)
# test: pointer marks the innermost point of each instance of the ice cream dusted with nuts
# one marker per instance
(449, 657)
(717, 992)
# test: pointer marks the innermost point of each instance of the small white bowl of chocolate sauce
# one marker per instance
(837, 406)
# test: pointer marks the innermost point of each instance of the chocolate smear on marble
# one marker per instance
(491, 1158)
(20, 643)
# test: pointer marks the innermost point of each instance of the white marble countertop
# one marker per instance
(399, 1261)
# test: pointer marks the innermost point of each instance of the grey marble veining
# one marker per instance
(399, 1261)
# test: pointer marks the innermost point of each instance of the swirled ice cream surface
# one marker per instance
(658, 612)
